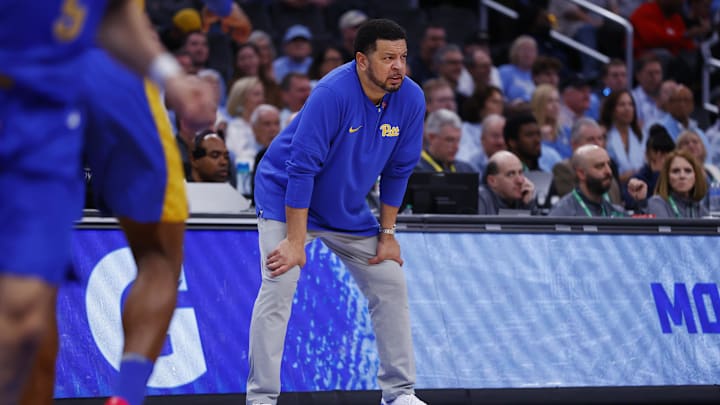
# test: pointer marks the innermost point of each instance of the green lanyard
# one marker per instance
(677, 211)
(585, 207)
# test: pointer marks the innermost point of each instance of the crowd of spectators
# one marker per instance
(507, 103)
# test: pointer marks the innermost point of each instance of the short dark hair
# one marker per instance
(646, 59)
(513, 124)
(491, 169)
(372, 30)
(613, 62)
(659, 139)
(543, 64)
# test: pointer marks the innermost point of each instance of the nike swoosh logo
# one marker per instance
(353, 130)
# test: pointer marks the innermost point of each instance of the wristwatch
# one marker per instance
(388, 231)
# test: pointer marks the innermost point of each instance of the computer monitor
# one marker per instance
(442, 193)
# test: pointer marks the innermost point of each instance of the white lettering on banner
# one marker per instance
(109, 278)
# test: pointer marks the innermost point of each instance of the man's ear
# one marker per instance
(362, 60)
(492, 180)
(580, 174)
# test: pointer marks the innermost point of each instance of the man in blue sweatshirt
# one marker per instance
(362, 120)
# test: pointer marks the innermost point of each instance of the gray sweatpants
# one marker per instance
(382, 284)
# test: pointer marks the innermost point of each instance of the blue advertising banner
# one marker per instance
(488, 311)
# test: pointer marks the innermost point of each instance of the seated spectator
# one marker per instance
(545, 106)
(295, 90)
(692, 143)
(575, 92)
(265, 121)
(625, 140)
(348, 24)
(325, 60)
(491, 140)
(516, 76)
(649, 76)
(681, 188)
(484, 102)
(196, 45)
(522, 137)
(245, 95)
(478, 72)
(439, 94)
(297, 52)
(667, 89)
(505, 186)
(421, 64)
(585, 132)
(659, 144)
(442, 132)
(613, 77)
(680, 107)
(546, 70)
(448, 65)
(210, 159)
(263, 42)
(592, 169)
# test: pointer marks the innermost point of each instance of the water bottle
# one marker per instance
(243, 178)
(714, 195)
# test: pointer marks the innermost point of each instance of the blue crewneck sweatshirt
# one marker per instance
(329, 157)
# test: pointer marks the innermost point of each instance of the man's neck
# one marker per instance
(590, 195)
(529, 163)
(443, 163)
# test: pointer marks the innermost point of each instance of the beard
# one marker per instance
(598, 185)
(382, 84)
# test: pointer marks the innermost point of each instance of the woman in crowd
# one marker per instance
(680, 189)
(248, 63)
(545, 106)
(245, 95)
(625, 140)
(692, 143)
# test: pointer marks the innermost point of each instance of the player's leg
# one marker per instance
(384, 286)
(39, 388)
(158, 251)
(270, 317)
(25, 303)
(41, 174)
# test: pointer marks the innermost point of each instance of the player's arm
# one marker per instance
(127, 34)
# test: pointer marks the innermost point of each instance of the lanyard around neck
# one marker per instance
(585, 207)
(426, 157)
(676, 211)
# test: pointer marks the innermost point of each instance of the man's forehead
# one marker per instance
(391, 46)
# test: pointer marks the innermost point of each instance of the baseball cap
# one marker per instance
(297, 31)
(187, 20)
(352, 18)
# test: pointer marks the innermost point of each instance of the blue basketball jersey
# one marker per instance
(41, 43)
